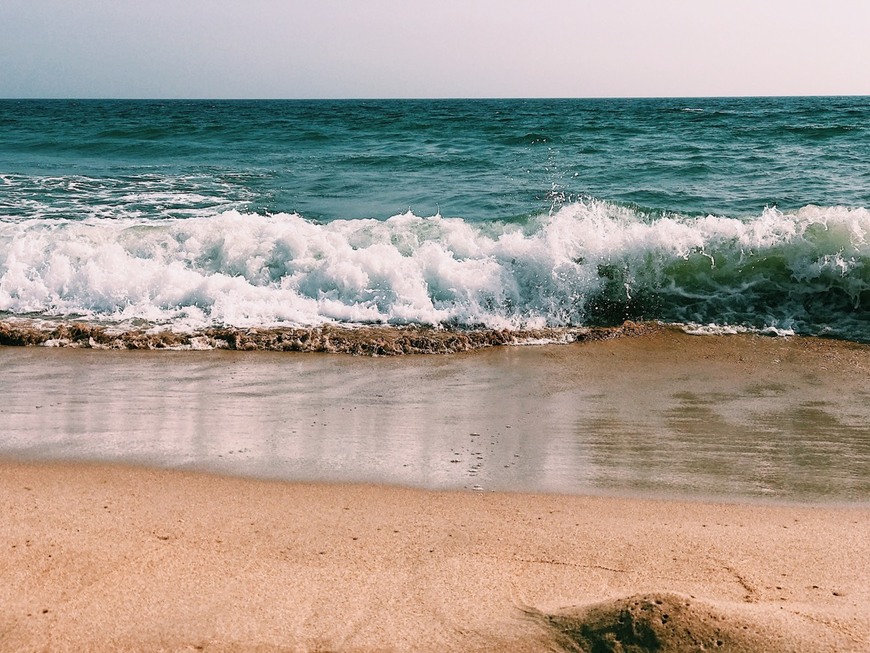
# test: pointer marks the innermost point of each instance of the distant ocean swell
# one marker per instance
(589, 263)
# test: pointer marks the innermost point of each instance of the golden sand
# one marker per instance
(110, 558)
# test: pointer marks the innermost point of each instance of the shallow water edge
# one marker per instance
(358, 340)
(667, 414)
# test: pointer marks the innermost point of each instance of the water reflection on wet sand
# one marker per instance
(713, 416)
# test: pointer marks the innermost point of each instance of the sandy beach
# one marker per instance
(491, 501)
(110, 558)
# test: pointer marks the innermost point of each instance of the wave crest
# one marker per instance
(589, 263)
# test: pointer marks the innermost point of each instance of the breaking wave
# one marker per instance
(588, 263)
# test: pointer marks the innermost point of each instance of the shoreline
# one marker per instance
(592, 494)
(355, 339)
(107, 557)
(604, 494)
(741, 416)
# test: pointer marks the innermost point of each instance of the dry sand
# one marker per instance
(110, 558)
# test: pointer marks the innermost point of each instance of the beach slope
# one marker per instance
(111, 558)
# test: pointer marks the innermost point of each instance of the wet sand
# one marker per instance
(667, 414)
(110, 558)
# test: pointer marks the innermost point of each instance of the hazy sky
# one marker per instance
(432, 48)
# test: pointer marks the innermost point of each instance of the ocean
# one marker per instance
(720, 215)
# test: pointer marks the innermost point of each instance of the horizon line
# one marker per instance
(420, 99)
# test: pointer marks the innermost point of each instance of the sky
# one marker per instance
(432, 48)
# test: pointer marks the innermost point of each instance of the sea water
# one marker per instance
(718, 214)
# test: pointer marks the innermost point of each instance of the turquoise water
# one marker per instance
(718, 213)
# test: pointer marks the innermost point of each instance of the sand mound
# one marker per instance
(664, 623)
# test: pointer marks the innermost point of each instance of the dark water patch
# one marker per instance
(817, 131)
(531, 138)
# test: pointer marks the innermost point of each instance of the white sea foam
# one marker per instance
(156, 196)
(247, 269)
(732, 329)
